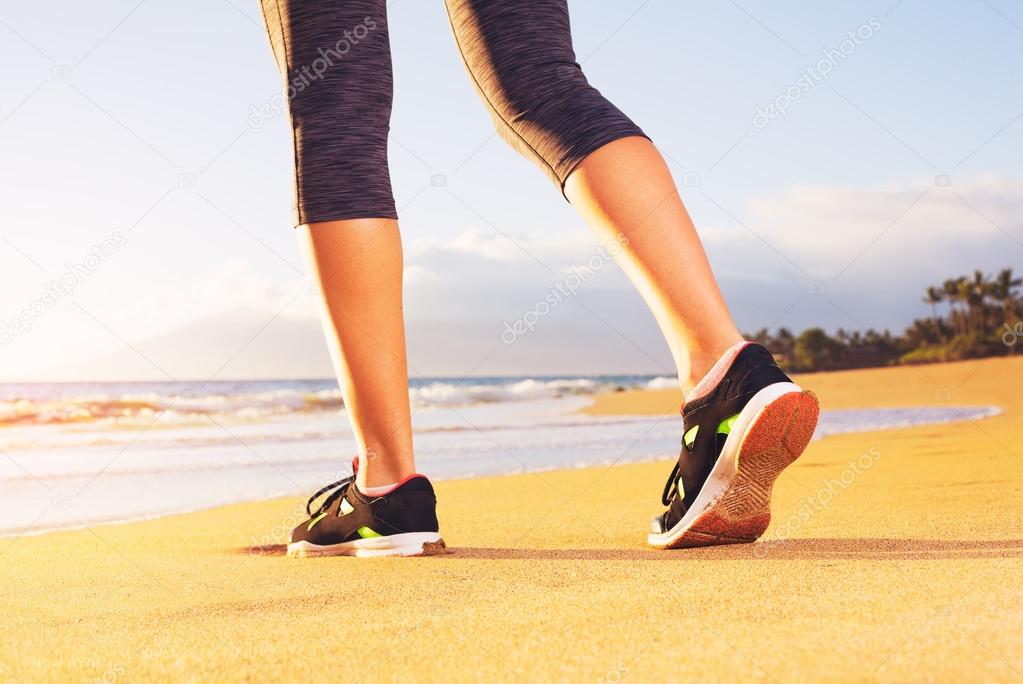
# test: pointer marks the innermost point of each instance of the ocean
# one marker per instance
(79, 454)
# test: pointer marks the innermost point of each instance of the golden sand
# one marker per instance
(893, 556)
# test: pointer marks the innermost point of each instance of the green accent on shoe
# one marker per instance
(317, 519)
(690, 436)
(725, 426)
(366, 532)
(346, 507)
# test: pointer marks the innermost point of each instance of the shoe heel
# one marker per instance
(777, 436)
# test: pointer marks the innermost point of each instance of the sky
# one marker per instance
(145, 183)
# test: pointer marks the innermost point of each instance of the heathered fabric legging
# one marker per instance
(336, 62)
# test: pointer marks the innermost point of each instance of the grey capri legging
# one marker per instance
(336, 61)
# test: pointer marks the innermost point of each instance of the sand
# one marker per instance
(893, 556)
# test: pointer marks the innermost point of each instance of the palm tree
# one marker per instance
(982, 290)
(953, 296)
(1003, 288)
(978, 293)
(935, 296)
(968, 295)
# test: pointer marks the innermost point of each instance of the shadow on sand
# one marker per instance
(788, 549)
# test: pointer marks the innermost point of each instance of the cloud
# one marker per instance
(868, 252)
(872, 250)
(87, 336)
(917, 226)
(237, 343)
(477, 252)
(234, 285)
(417, 275)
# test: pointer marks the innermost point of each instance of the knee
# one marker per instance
(340, 131)
(551, 114)
(346, 95)
(535, 92)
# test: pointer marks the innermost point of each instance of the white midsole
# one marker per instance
(405, 544)
(726, 467)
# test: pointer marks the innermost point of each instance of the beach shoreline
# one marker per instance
(892, 576)
(145, 474)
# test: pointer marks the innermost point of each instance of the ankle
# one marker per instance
(373, 474)
(708, 363)
(696, 354)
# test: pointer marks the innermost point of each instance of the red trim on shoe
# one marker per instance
(404, 480)
(392, 487)
(355, 471)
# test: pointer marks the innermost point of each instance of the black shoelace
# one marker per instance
(671, 486)
(339, 488)
(671, 489)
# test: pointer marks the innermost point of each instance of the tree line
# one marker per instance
(971, 317)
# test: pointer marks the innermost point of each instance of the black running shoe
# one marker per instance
(736, 439)
(402, 522)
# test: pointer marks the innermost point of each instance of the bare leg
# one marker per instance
(624, 189)
(358, 263)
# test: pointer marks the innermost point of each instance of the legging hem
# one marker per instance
(307, 218)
